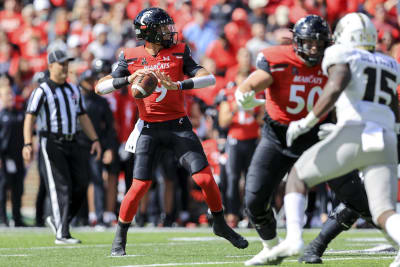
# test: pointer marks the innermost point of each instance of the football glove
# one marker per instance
(325, 129)
(297, 128)
(247, 100)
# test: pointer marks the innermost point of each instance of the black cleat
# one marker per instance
(118, 247)
(117, 251)
(223, 230)
(313, 252)
(119, 243)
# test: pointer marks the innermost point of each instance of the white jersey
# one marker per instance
(374, 80)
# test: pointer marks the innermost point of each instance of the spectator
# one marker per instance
(222, 52)
(27, 31)
(12, 170)
(243, 65)
(381, 23)
(101, 48)
(258, 42)
(42, 13)
(220, 13)
(257, 14)
(199, 33)
(101, 117)
(243, 133)
(10, 17)
(9, 59)
(238, 32)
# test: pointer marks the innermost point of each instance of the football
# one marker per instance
(144, 85)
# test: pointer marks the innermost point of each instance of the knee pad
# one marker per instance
(344, 216)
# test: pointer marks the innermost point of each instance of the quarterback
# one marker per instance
(163, 121)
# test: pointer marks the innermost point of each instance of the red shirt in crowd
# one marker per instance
(223, 57)
(10, 22)
(244, 125)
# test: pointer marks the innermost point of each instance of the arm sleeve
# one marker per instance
(35, 101)
(190, 67)
(121, 69)
(262, 63)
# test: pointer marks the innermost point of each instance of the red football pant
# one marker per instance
(210, 189)
(132, 198)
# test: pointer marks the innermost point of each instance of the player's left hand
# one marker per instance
(166, 81)
(295, 129)
(247, 101)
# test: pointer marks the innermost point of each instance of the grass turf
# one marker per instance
(170, 247)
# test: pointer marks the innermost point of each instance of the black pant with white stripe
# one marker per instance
(63, 164)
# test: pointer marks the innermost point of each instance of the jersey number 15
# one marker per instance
(382, 92)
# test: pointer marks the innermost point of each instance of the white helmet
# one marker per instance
(356, 30)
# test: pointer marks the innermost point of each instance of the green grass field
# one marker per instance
(171, 247)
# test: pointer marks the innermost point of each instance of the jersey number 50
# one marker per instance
(300, 103)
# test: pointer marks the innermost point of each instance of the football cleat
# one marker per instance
(223, 230)
(67, 241)
(313, 252)
(118, 246)
(396, 262)
(286, 248)
(260, 258)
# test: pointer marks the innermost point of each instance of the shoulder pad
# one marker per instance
(336, 54)
(277, 54)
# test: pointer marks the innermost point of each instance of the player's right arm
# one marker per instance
(120, 77)
(258, 80)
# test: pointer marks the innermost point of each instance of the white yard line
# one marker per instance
(21, 255)
(125, 256)
(236, 262)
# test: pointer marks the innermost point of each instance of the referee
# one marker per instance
(58, 105)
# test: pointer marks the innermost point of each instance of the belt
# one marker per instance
(59, 137)
(170, 124)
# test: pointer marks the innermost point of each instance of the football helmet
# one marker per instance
(101, 66)
(154, 25)
(305, 31)
(356, 30)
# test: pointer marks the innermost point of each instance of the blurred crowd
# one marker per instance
(225, 37)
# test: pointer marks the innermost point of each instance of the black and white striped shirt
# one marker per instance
(57, 107)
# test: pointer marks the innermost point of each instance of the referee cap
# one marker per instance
(58, 55)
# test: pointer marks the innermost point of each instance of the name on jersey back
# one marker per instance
(307, 79)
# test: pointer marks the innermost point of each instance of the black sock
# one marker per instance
(330, 230)
(266, 232)
(218, 215)
(122, 229)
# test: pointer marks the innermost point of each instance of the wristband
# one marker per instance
(95, 140)
(310, 120)
(187, 84)
(120, 82)
(28, 144)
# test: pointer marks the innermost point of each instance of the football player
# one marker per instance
(294, 77)
(163, 120)
(362, 86)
